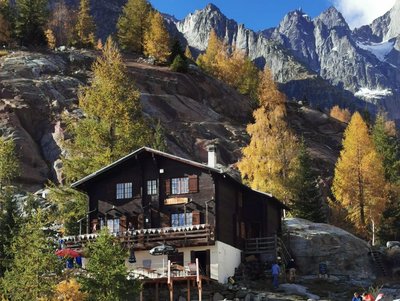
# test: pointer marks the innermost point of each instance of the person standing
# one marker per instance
(275, 274)
(291, 270)
(356, 297)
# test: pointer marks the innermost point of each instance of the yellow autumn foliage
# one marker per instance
(156, 39)
(359, 182)
(270, 161)
(69, 290)
(342, 115)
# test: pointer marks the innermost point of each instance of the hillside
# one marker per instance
(194, 109)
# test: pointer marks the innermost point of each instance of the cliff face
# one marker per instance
(359, 68)
(194, 109)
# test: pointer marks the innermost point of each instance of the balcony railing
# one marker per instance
(143, 239)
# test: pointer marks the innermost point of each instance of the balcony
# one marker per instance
(144, 239)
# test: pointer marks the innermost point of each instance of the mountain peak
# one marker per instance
(332, 18)
(212, 7)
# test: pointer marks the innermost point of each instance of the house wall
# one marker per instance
(223, 260)
(142, 210)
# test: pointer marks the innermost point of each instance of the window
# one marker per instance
(178, 219)
(179, 185)
(124, 191)
(113, 225)
(151, 187)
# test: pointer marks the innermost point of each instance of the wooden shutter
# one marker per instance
(122, 224)
(195, 218)
(168, 186)
(193, 184)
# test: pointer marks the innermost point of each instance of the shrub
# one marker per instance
(179, 64)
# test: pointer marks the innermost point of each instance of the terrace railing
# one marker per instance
(180, 236)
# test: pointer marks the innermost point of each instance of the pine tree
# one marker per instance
(359, 183)
(270, 161)
(159, 142)
(114, 124)
(35, 269)
(31, 17)
(156, 40)
(9, 170)
(387, 146)
(307, 202)
(85, 27)
(108, 282)
(133, 24)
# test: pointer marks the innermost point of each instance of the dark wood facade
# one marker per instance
(158, 190)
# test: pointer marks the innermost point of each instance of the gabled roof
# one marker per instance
(176, 158)
(135, 153)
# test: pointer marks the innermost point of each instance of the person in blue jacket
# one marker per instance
(275, 274)
(356, 297)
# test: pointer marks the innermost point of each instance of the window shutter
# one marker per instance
(193, 184)
(195, 218)
(168, 186)
(122, 224)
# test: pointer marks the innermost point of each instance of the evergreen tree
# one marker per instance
(133, 24)
(179, 64)
(359, 182)
(270, 161)
(307, 203)
(85, 27)
(107, 282)
(114, 124)
(35, 269)
(70, 207)
(159, 142)
(176, 50)
(31, 17)
(156, 39)
(9, 169)
(387, 146)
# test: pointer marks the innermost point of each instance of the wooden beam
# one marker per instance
(188, 290)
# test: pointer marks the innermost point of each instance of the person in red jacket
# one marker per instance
(367, 297)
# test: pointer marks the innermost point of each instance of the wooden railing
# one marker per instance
(181, 236)
(272, 246)
(261, 245)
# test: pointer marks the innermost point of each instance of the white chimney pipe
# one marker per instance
(212, 156)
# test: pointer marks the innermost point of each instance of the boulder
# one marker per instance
(345, 255)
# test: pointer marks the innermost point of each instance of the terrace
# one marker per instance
(144, 239)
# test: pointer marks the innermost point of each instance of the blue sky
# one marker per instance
(262, 14)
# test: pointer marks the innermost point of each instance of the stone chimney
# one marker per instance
(212, 156)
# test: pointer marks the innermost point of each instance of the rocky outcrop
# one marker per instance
(345, 254)
(194, 109)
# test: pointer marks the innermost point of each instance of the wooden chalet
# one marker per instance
(150, 197)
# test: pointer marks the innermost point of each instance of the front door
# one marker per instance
(204, 261)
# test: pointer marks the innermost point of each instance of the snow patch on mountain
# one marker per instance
(380, 50)
(370, 94)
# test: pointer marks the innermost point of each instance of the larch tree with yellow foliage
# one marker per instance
(359, 181)
(156, 40)
(85, 26)
(207, 61)
(270, 161)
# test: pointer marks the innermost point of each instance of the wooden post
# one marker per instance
(198, 279)
(157, 292)
(188, 290)
(170, 282)
(141, 295)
